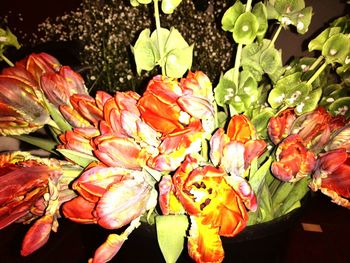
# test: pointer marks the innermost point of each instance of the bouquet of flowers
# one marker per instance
(198, 162)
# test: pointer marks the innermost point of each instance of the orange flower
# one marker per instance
(168, 105)
(216, 208)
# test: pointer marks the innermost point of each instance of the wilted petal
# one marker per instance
(341, 139)
(38, 235)
(123, 202)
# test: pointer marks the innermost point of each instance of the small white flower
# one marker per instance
(330, 100)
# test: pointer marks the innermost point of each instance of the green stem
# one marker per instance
(316, 74)
(273, 40)
(157, 18)
(239, 52)
(316, 63)
(7, 60)
(237, 64)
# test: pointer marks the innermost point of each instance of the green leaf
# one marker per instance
(178, 61)
(168, 6)
(336, 48)
(259, 10)
(272, 13)
(144, 52)
(163, 37)
(310, 102)
(303, 20)
(134, 3)
(8, 39)
(270, 60)
(261, 120)
(42, 143)
(341, 107)
(175, 41)
(79, 158)
(56, 115)
(171, 232)
(229, 19)
(318, 42)
(245, 28)
(224, 91)
(289, 6)
(277, 97)
(297, 94)
(297, 193)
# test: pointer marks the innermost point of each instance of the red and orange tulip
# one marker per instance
(109, 196)
(32, 188)
(293, 160)
(236, 149)
(332, 176)
(215, 208)
(168, 105)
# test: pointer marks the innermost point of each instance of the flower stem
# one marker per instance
(316, 63)
(316, 74)
(7, 60)
(273, 40)
(157, 19)
(239, 51)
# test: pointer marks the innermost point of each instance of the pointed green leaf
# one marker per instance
(299, 190)
(42, 143)
(229, 19)
(171, 232)
(245, 29)
(56, 115)
(79, 158)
